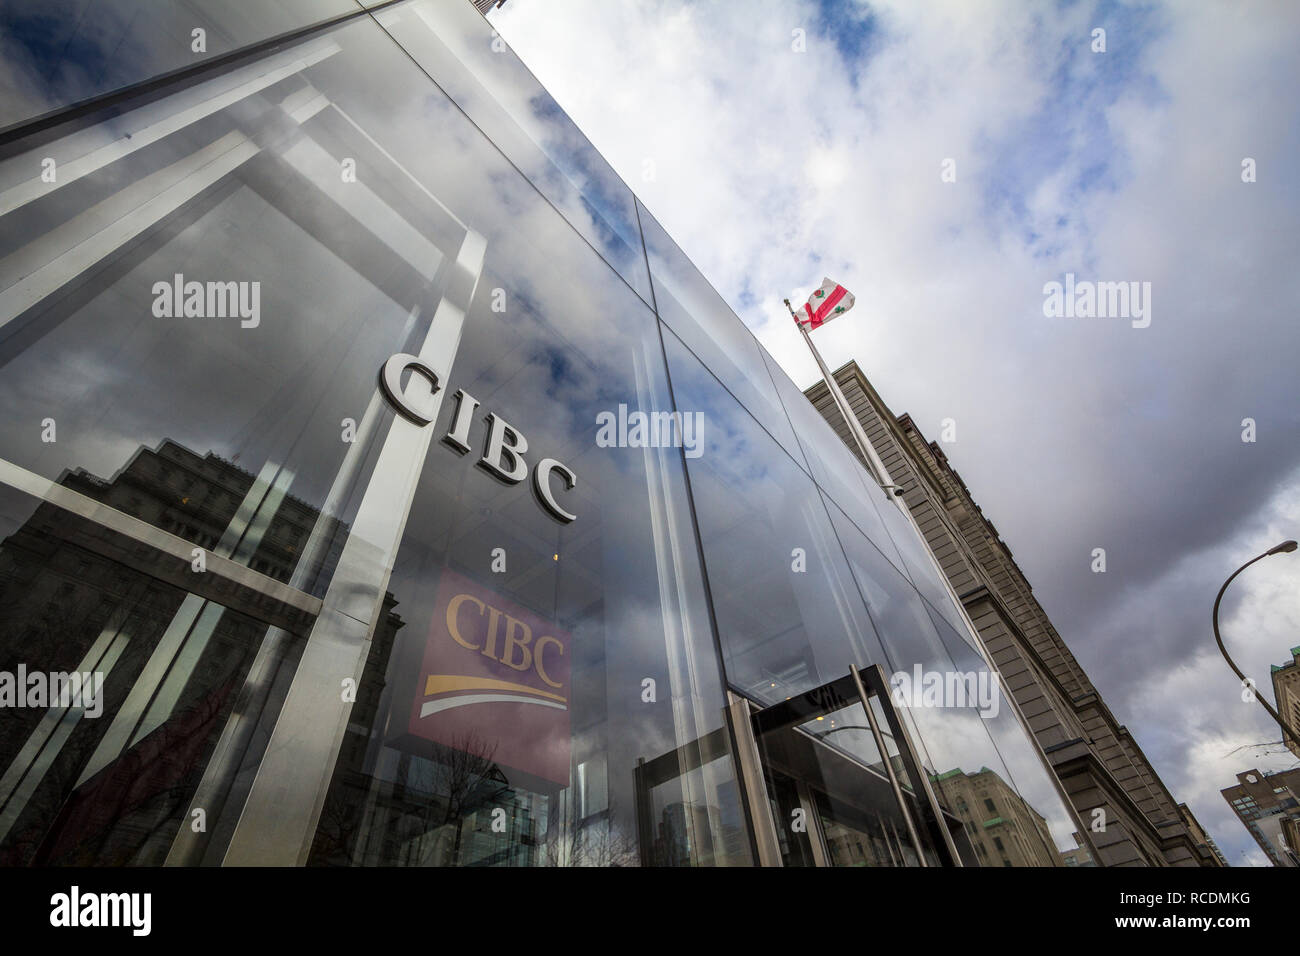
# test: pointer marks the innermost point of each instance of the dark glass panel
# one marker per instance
(105, 775)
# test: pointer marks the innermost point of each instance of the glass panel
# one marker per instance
(59, 52)
(862, 836)
(951, 705)
(841, 476)
(788, 614)
(919, 567)
(831, 797)
(543, 693)
(836, 470)
(682, 833)
(1032, 819)
(204, 296)
(474, 67)
(105, 776)
(792, 826)
(693, 309)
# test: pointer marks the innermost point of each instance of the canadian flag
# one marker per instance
(826, 303)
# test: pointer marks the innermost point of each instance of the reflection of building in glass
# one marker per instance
(198, 498)
(76, 596)
(1268, 805)
(676, 825)
(1003, 828)
(1097, 759)
(1286, 691)
(1077, 857)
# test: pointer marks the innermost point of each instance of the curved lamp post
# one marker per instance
(1283, 548)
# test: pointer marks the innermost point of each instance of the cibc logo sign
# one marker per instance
(503, 456)
(495, 681)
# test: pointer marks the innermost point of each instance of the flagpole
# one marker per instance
(880, 473)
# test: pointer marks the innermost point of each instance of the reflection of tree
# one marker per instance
(129, 812)
(599, 843)
(417, 818)
(42, 636)
(463, 777)
(340, 824)
(51, 608)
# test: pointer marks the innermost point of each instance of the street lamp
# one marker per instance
(1285, 547)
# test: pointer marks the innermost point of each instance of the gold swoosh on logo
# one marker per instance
(441, 683)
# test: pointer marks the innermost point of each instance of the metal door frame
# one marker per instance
(858, 686)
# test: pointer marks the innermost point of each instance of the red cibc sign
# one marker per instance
(496, 678)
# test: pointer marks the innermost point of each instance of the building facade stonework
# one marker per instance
(1268, 805)
(1286, 691)
(1133, 818)
(1199, 835)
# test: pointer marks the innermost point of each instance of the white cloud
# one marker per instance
(1192, 708)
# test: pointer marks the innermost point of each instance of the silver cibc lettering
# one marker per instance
(390, 380)
(458, 437)
(503, 456)
(542, 485)
(503, 442)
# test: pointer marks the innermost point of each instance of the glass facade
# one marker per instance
(406, 496)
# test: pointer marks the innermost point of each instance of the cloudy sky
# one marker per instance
(780, 141)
